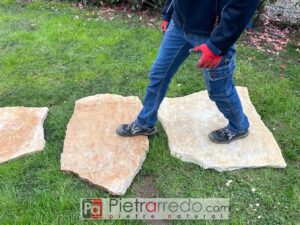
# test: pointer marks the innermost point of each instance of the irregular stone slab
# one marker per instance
(21, 131)
(188, 120)
(94, 151)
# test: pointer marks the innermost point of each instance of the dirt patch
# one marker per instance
(145, 188)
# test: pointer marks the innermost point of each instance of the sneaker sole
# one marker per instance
(143, 134)
(227, 142)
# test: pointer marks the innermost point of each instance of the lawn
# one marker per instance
(52, 54)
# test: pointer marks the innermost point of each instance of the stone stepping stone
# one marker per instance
(21, 131)
(188, 120)
(94, 151)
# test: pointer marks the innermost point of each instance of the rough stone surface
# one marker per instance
(21, 131)
(188, 120)
(284, 10)
(94, 151)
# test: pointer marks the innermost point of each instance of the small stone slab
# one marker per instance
(94, 151)
(188, 120)
(21, 131)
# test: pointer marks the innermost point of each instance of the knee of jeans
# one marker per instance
(157, 74)
(157, 70)
(215, 98)
(155, 79)
(221, 96)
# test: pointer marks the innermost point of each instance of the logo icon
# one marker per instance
(91, 208)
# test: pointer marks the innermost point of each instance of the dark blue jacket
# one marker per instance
(222, 20)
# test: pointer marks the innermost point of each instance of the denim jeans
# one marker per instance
(173, 51)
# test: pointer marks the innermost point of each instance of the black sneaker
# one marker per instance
(225, 136)
(132, 129)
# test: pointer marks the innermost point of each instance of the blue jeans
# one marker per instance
(173, 51)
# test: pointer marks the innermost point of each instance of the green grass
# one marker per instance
(50, 58)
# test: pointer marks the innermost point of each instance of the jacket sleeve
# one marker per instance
(167, 10)
(234, 19)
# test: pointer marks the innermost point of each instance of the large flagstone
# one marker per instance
(21, 131)
(94, 151)
(188, 120)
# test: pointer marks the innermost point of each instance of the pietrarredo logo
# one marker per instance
(154, 208)
(91, 208)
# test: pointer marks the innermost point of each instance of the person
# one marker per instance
(209, 27)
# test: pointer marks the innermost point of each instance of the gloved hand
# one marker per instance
(164, 25)
(208, 59)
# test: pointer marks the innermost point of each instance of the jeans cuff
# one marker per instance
(140, 124)
(235, 130)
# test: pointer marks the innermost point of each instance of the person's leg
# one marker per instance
(173, 51)
(221, 90)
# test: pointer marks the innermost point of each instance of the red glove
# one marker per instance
(208, 59)
(164, 25)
